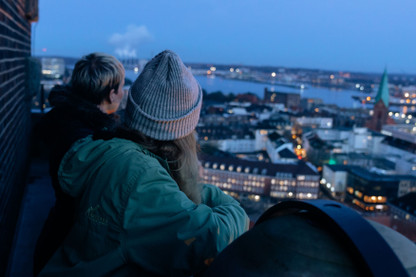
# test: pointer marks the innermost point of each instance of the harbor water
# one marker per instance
(342, 98)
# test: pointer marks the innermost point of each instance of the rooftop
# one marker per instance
(36, 204)
(374, 177)
(287, 154)
(254, 167)
(339, 167)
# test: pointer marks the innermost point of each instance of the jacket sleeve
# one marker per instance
(168, 234)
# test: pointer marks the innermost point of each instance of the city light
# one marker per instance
(406, 94)
(273, 74)
(213, 68)
(332, 76)
(136, 69)
(390, 114)
(357, 85)
(231, 69)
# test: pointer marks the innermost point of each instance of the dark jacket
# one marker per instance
(71, 119)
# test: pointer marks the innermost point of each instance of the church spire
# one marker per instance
(383, 90)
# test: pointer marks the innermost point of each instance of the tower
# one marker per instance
(381, 106)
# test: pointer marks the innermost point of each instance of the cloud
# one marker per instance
(126, 44)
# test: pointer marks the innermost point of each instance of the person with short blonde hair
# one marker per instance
(95, 77)
(86, 106)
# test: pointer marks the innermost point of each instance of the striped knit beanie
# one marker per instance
(165, 100)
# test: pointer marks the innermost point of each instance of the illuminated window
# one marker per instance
(375, 199)
(214, 166)
(358, 193)
(231, 168)
(207, 164)
(247, 170)
(222, 167)
(239, 169)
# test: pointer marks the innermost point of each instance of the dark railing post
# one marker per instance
(42, 98)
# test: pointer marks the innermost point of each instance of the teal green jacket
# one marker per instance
(133, 219)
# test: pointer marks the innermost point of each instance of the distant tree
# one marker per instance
(247, 97)
(231, 97)
(218, 96)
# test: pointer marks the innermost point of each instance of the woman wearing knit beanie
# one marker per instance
(141, 208)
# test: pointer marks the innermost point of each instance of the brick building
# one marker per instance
(15, 49)
(381, 107)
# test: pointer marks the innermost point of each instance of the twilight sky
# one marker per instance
(357, 35)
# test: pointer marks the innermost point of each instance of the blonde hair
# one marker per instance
(185, 168)
(95, 75)
(181, 155)
(182, 158)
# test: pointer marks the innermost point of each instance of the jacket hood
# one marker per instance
(82, 163)
(71, 112)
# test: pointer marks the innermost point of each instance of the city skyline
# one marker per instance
(362, 37)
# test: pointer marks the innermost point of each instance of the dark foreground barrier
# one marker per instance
(316, 238)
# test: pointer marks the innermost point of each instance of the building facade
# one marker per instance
(261, 180)
(290, 100)
(371, 191)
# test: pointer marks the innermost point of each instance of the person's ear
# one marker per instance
(111, 96)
